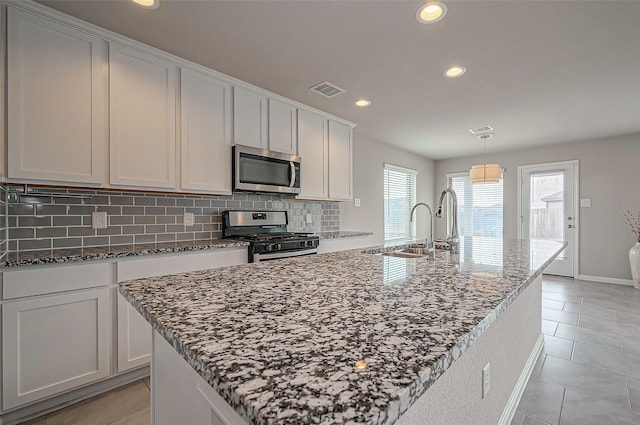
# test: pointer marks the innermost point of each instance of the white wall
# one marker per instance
(608, 175)
(368, 185)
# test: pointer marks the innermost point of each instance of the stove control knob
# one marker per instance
(310, 243)
(277, 247)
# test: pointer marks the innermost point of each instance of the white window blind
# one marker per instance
(479, 215)
(399, 198)
(479, 206)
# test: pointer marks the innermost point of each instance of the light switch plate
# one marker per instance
(357, 202)
(99, 220)
(585, 203)
(308, 218)
(188, 219)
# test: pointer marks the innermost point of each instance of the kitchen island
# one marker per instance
(351, 337)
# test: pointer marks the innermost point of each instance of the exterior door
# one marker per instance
(548, 210)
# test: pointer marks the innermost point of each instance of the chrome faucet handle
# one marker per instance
(454, 245)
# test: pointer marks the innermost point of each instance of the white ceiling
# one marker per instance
(540, 72)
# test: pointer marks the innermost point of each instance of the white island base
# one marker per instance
(511, 345)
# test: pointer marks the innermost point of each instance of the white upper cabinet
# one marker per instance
(313, 147)
(206, 133)
(250, 118)
(57, 100)
(283, 134)
(340, 162)
(142, 119)
(88, 107)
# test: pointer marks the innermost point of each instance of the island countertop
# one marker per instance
(279, 341)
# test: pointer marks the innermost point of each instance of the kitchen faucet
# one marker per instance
(452, 239)
(430, 245)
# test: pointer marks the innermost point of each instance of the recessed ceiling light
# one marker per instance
(455, 71)
(363, 102)
(431, 11)
(148, 4)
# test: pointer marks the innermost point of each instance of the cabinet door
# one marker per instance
(134, 337)
(340, 162)
(142, 119)
(57, 100)
(53, 344)
(313, 148)
(206, 133)
(249, 118)
(283, 135)
(134, 332)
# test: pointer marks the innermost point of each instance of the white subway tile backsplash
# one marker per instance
(135, 217)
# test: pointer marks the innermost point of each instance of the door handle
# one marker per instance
(293, 174)
(570, 226)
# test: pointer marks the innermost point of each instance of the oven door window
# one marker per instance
(265, 171)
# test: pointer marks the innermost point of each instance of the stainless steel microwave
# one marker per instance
(258, 170)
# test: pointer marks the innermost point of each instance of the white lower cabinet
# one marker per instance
(134, 337)
(59, 323)
(134, 332)
(52, 344)
(180, 396)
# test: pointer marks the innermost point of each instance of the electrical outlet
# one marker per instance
(99, 220)
(357, 202)
(188, 219)
(308, 218)
(486, 380)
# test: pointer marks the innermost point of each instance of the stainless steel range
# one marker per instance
(268, 236)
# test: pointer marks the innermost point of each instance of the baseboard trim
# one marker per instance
(516, 395)
(614, 280)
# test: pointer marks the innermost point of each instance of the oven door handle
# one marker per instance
(261, 257)
(293, 174)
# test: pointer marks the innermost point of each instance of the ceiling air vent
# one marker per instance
(327, 89)
(482, 129)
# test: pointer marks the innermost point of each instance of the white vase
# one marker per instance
(634, 261)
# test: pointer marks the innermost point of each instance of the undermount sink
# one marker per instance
(403, 254)
(413, 252)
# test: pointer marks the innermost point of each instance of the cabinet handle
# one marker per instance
(293, 174)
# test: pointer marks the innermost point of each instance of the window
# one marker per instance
(479, 215)
(479, 206)
(399, 198)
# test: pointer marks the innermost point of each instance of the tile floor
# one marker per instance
(588, 373)
(127, 405)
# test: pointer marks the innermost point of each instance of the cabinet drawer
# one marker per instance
(48, 280)
(180, 263)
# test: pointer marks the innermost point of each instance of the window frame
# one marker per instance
(449, 177)
(412, 200)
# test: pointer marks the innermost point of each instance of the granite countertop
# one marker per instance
(279, 340)
(342, 234)
(30, 258)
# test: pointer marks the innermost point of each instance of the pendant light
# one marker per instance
(485, 173)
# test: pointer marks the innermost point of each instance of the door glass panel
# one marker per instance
(546, 220)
